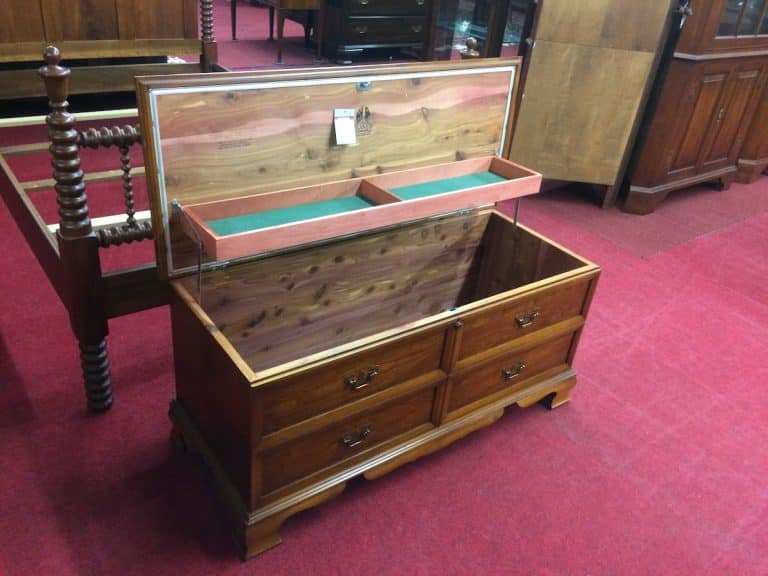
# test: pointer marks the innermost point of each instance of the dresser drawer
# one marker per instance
(507, 372)
(309, 454)
(521, 316)
(394, 30)
(292, 400)
(386, 8)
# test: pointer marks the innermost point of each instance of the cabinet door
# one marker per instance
(733, 117)
(699, 114)
(712, 118)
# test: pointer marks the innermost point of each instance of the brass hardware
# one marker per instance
(416, 27)
(363, 2)
(419, 2)
(510, 373)
(361, 379)
(361, 29)
(525, 320)
(352, 440)
(363, 120)
(458, 324)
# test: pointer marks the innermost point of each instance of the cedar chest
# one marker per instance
(340, 309)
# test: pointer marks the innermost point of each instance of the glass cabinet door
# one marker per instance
(492, 28)
(742, 18)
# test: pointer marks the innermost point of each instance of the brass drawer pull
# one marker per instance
(352, 440)
(361, 29)
(419, 2)
(416, 27)
(361, 379)
(525, 320)
(363, 2)
(510, 373)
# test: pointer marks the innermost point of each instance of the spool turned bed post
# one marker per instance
(209, 55)
(80, 268)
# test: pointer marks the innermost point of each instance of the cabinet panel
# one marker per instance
(22, 21)
(705, 112)
(80, 20)
(152, 19)
(732, 123)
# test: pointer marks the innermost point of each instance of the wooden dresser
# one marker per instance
(354, 26)
(329, 346)
(710, 105)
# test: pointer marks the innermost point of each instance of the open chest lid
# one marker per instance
(320, 153)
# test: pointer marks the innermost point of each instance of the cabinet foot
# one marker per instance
(643, 202)
(264, 534)
(551, 397)
(725, 181)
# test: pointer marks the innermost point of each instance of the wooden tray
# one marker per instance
(236, 228)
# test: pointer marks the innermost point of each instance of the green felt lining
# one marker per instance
(434, 187)
(269, 218)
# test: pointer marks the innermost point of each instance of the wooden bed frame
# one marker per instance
(109, 44)
(69, 251)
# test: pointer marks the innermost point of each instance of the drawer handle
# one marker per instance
(352, 440)
(361, 29)
(416, 27)
(363, 2)
(361, 379)
(514, 372)
(525, 320)
(419, 2)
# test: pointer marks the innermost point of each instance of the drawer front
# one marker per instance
(507, 373)
(292, 400)
(386, 8)
(521, 316)
(294, 460)
(365, 31)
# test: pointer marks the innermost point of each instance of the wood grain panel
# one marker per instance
(22, 21)
(579, 110)
(286, 307)
(624, 24)
(153, 19)
(704, 113)
(80, 20)
(218, 145)
(730, 132)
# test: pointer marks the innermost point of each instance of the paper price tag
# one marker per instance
(344, 126)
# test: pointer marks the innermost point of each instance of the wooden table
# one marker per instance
(282, 6)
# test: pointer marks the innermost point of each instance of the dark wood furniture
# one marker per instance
(481, 28)
(68, 251)
(589, 70)
(332, 346)
(708, 101)
(109, 41)
(353, 27)
(753, 157)
(308, 12)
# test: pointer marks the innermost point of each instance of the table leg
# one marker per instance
(272, 22)
(233, 17)
(280, 25)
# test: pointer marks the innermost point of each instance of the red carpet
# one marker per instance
(683, 216)
(657, 467)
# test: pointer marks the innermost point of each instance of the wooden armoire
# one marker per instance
(709, 118)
